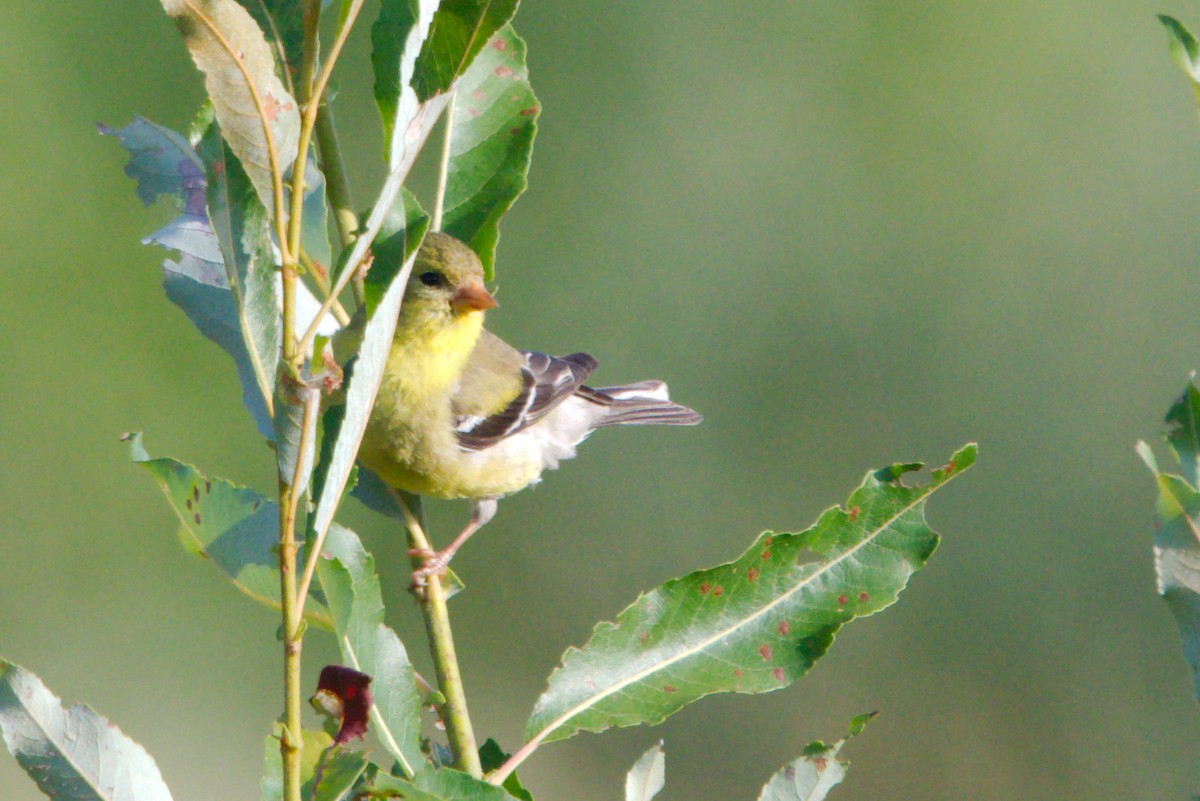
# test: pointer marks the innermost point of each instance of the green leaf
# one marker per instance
(1183, 432)
(1177, 560)
(235, 528)
(326, 775)
(386, 281)
(647, 776)
(459, 31)
(442, 784)
(351, 586)
(491, 757)
(813, 775)
(74, 754)
(282, 22)
(1183, 47)
(752, 626)
(494, 124)
(396, 39)
(243, 230)
(215, 31)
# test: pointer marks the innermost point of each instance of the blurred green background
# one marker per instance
(849, 232)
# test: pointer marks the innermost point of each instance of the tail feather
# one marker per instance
(643, 403)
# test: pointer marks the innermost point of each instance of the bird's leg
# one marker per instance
(435, 561)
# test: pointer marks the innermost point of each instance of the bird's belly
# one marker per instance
(408, 461)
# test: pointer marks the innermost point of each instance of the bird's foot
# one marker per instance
(433, 563)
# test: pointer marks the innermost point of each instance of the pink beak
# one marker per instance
(473, 297)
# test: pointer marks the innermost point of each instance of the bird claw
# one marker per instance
(434, 564)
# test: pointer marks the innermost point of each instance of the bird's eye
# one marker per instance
(431, 278)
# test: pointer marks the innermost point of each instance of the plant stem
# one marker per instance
(439, 201)
(445, 662)
(337, 187)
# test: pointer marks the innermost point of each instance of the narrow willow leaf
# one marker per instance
(243, 230)
(396, 39)
(228, 46)
(396, 249)
(1183, 47)
(314, 224)
(325, 775)
(351, 586)
(73, 754)
(282, 22)
(1183, 432)
(442, 784)
(235, 528)
(754, 625)
(459, 31)
(1177, 558)
(813, 775)
(495, 121)
(647, 776)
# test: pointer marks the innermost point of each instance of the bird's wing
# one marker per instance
(503, 390)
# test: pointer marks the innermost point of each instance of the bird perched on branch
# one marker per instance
(461, 414)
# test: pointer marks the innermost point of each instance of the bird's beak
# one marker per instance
(472, 297)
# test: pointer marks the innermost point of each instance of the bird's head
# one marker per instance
(447, 279)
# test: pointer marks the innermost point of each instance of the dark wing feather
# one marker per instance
(546, 381)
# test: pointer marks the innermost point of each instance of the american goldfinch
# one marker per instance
(461, 414)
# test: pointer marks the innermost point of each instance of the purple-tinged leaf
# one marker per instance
(345, 694)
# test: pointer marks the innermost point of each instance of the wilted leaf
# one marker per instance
(344, 694)
(751, 626)
(74, 754)
(228, 47)
(647, 776)
(495, 120)
(236, 528)
(336, 771)
(351, 586)
(813, 775)
(459, 31)
(243, 231)
(162, 162)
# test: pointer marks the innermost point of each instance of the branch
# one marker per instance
(445, 661)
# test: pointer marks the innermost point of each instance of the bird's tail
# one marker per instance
(643, 403)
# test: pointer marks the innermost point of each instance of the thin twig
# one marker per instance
(439, 200)
(445, 661)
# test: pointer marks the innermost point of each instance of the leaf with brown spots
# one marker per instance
(495, 121)
(239, 76)
(813, 775)
(755, 635)
(235, 528)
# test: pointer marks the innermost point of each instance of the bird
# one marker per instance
(461, 414)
